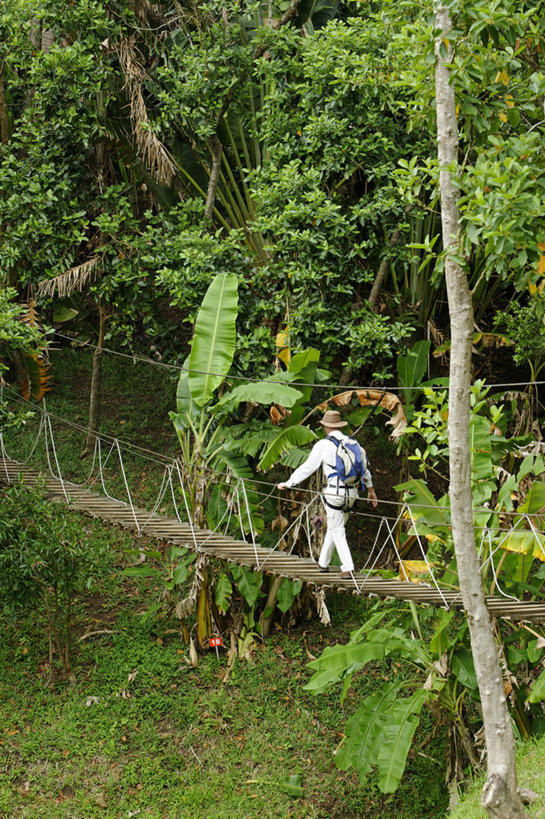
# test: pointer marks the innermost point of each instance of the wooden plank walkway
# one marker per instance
(268, 560)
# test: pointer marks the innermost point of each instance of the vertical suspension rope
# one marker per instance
(4, 456)
(249, 521)
(162, 490)
(126, 484)
(496, 583)
(388, 536)
(187, 510)
(408, 508)
(52, 439)
(535, 532)
(101, 465)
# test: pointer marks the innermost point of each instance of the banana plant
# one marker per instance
(212, 459)
(208, 448)
(437, 674)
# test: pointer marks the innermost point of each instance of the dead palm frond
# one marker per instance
(34, 367)
(150, 149)
(76, 278)
(372, 398)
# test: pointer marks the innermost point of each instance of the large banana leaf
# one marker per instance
(411, 367)
(482, 476)
(287, 592)
(535, 499)
(423, 503)
(537, 691)
(304, 365)
(284, 441)
(214, 338)
(248, 583)
(338, 660)
(261, 393)
(185, 406)
(396, 739)
(184, 401)
(526, 542)
(363, 731)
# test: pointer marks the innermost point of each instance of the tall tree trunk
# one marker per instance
(216, 149)
(94, 400)
(381, 274)
(500, 795)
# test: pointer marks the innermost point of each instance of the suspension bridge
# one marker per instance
(243, 549)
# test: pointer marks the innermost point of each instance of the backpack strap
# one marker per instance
(333, 474)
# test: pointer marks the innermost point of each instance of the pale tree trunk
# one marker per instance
(94, 400)
(500, 795)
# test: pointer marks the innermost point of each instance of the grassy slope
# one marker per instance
(173, 741)
(163, 738)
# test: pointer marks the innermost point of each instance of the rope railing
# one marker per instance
(161, 459)
(254, 380)
(238, 500)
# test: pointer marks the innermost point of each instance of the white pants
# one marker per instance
(335, 536)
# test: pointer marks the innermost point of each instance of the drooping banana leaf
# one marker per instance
(184, 401)
(294, 457)
(214, 338)
(261, 393)
(224, 591)
(287, 592)
(363, 731)
(396, 739)
(304, 365)
(238, 466)
(423, 503)
(284, 441)
(411, 367)
(338, 660)
(537, 691)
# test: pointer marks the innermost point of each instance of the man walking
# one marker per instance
(337, 497)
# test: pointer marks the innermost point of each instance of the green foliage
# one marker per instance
(214, 338)
(524, 324)
(44, 563)
(380, 732)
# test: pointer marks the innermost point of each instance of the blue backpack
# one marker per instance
(349, 465)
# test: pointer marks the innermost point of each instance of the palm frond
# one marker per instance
(370, 398)
(76, 278)
(151, 150)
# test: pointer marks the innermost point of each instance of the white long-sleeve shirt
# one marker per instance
(323, 453)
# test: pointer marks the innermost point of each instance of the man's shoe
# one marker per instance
(324, 568)
(346, 575)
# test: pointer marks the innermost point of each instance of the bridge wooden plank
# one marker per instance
(230, 549)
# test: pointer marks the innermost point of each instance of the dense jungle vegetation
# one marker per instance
(216, 219)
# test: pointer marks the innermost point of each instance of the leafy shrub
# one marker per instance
(44, 563)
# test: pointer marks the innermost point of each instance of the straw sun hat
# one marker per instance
(333, 420)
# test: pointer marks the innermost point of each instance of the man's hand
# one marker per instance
(372, 495)
(282, 485)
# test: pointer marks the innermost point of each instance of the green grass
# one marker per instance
(531, 774)
(168, 740)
